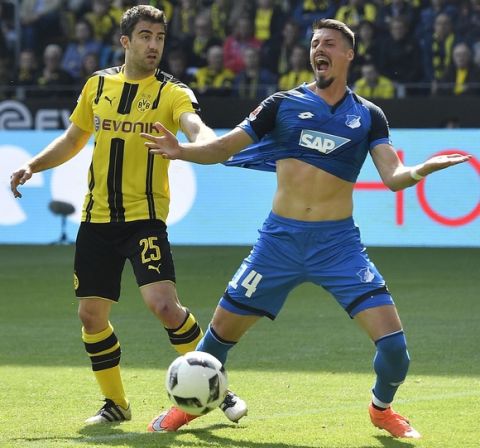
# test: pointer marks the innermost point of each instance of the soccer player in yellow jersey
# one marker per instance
(127, 201)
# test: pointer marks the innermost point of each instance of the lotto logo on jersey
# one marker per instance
(320, 141)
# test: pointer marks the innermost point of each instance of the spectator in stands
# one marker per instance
(299, 72)
(462, 77)
(40, 20)
(25, 75)
(401, 56)
(268, 20)
(196, 48)
(405, 9)
(236, 44)
(373, 85)
(305, 12)
(90, 64)
(166, 6)
(476, 54)
(4, 53)
(276, 52)
(239, 9)
(75, 52)
(429, 14)
(254, 82)
(219, 14)
(214, 79)
(104, 19)
(53, 81)
(4, 75)
(183, 21)
(467, 24)
(356, 11)
(367, 49)
(438, 49)
(112, 55)
(77, 7)
(8, 33)
(178, 67)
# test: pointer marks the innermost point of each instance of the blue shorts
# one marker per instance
(289, 252)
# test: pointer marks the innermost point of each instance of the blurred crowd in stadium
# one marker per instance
(246, 48)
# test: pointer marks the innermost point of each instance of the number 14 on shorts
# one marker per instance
(249, 282)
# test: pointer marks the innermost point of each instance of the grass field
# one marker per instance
(307, 376)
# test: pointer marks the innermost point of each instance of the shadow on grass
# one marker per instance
(113, 435)
(204, 437)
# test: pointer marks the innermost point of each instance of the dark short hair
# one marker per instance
(141, 12)
(336, 25)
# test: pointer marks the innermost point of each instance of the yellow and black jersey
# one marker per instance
(125, 182)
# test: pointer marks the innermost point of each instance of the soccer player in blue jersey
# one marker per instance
(316, 137)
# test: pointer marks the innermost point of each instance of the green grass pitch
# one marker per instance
(307, 376)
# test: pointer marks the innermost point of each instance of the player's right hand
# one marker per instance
(165, 145)
(19, 177)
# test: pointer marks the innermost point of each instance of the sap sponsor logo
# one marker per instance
(320, 141)
(353, 121)
(14, 115)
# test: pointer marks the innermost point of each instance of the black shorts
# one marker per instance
(102, 249)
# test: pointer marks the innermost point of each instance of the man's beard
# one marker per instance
(323, 83)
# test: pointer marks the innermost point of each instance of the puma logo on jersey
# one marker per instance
(320, 141)
(109, 100)
(155, 268)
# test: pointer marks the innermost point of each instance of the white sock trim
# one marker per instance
(379, 403)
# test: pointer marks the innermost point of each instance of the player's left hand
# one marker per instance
(443, 161)
(165, 145)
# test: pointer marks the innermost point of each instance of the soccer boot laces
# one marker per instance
(110, 413)
(233, 407)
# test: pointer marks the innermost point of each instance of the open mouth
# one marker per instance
(322, 64)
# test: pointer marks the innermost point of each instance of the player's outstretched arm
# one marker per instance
(397, 176)
(59, 151)
(194, 128)
(211, 151)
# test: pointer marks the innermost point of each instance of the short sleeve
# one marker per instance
(379, 131)
(262, 119)
(184, 101)
(82, 115)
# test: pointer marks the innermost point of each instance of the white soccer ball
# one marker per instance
(196, 382)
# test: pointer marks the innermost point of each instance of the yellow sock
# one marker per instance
(104, 351)
(185, 338)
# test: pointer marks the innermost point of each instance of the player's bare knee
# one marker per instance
(167, 310)
(92, 322)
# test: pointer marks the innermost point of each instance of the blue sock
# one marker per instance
(391, 365)
(212, 343)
